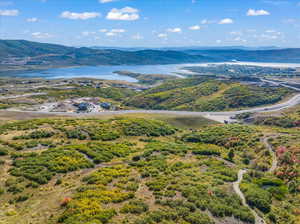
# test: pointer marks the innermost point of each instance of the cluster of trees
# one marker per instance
(101, 152)
(36, 135)
(175, 98)
(40, 168)
(242, 96)
(185, 176)
(3, 151)
(227, 136)
(202, 94)
(284, 122)
(87, 204)
(112, 93)
(114, 129)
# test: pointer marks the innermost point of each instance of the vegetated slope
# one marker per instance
(23, 48)
(198, 94)
(291, 55)
(287, 119)
(21, 52)
(135, 171)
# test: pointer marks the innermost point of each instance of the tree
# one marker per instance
(231, 155)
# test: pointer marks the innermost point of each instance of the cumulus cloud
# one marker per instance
(205, 21)
(226, 21)
(261, 12)
(32, 20)
(239, 39)
(196, 27)
(107, 1)
(103, 30)
(13, 12)
(118, 31)
(87, 33)
(236, 33)
(41, 35)
(137, 37)
(81, 16)
(162, 35)
(174, 30)
(112, 32)
(126, 13)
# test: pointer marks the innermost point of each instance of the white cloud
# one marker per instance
(32, 20)
(82, 16)
(196, 27)
(226, 21)
(41, 35)
(236, 33)
(174, 30)
(114, 32)
(103, 30)
(118, 31)
(126, 13)
(205, 21)
(87, 33)
(13, 12)
(137, 37)
(162, 35)
(239, 39)
(111, 34)
(107, 1)
(261, 12)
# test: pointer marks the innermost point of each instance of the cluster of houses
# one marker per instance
(82, 105)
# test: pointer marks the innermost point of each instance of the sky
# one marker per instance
(153, 23)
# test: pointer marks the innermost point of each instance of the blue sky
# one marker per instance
(153, 23)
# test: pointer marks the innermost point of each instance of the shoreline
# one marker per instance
(177, 68)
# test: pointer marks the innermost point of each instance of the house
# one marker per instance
(106, 106)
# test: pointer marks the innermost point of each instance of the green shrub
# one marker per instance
(257, 197)
(3, 151)
(135, 207)
(199, 218)
(207, 150)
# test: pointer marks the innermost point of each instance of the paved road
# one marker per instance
(219, 116)
(276, 107)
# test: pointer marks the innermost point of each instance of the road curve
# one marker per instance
(236, 187)
(276, 107)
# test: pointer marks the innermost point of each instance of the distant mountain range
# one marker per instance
(189, 48)
(24, 55)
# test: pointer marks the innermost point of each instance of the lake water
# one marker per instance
(107, 72)
(103, 72)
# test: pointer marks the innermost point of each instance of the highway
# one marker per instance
(217, 116)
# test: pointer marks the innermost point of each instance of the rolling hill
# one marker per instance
(26, 53)
(290, 55)
(20, 55)
(201, 94)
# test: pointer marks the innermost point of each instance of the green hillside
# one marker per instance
(201, 94)
(138, 171)
(26, 53)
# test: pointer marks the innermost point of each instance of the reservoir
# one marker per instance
(107, 72)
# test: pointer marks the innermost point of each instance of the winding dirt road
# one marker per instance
(236, 185)
(273, 154)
